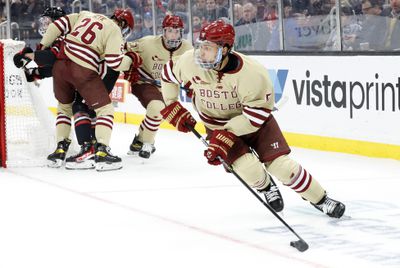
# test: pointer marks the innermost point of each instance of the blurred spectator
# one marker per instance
(287, 9)
(350, 32)
(392, 34)
(372, 35)
(98, 7)
(199, 8)
(112, 5)
(134, 5)
(270, 13)
(161, 7)
(237, 13)
(138, 30)
(197, 23)
(213, 12)
(177, 6)
(159, 28)
(146, 6)
(147, 24)
(33, 10)
(17, 9)
(300, 6)
(249, 14)
(260, 7)
(271, 19)
(223, 3)
(2, 10)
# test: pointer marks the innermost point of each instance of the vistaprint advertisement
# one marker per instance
(353, 97)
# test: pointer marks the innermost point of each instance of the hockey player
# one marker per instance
(83, 116)
(155, 51)
(234, 98)
(90, 39)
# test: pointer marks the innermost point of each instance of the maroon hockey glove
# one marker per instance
(178, 116)
(220, 143)
(136, 59)
(132, 75)
(20, 59)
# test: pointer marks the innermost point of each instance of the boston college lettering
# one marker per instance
(221, 106)
(217, 94)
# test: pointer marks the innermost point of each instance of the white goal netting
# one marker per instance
(29, 124)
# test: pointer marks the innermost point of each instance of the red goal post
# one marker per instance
(3, 148)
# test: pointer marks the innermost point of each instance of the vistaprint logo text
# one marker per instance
(353, 95)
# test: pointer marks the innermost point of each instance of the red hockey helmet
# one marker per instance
(125, 18)
(124, 15)
(172, 21)
(218, 32)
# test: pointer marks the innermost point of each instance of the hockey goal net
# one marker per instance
(26, 124)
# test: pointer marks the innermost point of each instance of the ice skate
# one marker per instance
(330, 207)
(104, 160)
(147, 150)
(83, 160)
(135, 146)
(144, 150)
(273, 197)
(56, 159)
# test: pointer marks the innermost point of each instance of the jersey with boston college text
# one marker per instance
(155, 54)
(239, 101)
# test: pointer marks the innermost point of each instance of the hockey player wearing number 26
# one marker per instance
(90, 39)
(234, 98)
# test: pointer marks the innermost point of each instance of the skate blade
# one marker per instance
(108, 167)
(55, 164)
(88, 164)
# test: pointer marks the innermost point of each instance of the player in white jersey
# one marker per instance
(90, 39)
(155, 52)
(234, 97)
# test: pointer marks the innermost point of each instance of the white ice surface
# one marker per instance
(175, 210)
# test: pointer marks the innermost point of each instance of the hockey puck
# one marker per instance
(299, 245)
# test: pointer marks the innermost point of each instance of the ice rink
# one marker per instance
(175, 210)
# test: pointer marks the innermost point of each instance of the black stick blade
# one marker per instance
(300, 245)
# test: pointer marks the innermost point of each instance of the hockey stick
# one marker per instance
(300, 245)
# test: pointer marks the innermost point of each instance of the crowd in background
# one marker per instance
(261, 25)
